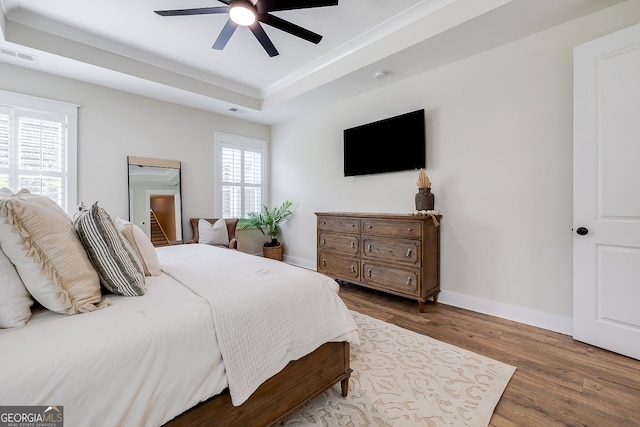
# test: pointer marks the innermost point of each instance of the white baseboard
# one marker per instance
(300, 262)
(552, 322)
(539, 319)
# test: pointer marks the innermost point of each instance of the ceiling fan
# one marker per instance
(247, 14)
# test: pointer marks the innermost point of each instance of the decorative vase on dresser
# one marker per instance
(394, 253)
(425, 200)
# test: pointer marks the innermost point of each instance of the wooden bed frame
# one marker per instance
(280, 395)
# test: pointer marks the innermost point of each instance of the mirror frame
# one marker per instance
(156, 163)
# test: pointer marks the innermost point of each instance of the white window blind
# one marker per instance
(35, 149)
(241, 180)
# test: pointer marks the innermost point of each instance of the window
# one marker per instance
(240, 175)
(38, 147)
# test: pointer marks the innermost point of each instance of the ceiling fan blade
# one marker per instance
(226, 33)
(290, 28)
(198, 11)
(264, 39)
(265, 6)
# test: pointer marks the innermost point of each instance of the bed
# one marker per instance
(219, 337)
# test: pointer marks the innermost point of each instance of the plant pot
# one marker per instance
(273, 252)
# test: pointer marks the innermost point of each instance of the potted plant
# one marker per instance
(268, 222)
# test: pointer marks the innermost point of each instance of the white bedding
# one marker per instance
(281, 312)
(113, 367)
(146, 359)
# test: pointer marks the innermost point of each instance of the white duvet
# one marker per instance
(139, 362)
(144, 360)
(266, 313)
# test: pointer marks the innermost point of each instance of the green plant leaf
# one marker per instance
(267, 219)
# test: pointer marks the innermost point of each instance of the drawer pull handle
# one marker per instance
(408, 280)
(369, 247)
(371, 226)
(324, 242)
(324, 223)
(409, 229)
(324, 262)
(353, 244)
(353, 225)
(369, 273)
(353, 268)
(408, 252)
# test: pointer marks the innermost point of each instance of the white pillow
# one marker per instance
(15, 300)
(142, 245)
(213, 234)
(39, 239)
(15, 303)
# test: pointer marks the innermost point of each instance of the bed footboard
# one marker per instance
(280, 395)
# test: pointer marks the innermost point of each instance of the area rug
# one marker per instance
(402, 378)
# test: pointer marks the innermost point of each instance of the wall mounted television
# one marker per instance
(389, 145)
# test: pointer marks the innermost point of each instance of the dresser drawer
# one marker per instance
(402, 280)
(339, 224)
(393, 250)
(338, 266)
(345, 243)
(408, 229)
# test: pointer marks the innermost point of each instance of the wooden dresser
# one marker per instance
(394, 253)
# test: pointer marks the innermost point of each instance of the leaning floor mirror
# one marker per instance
(155, 201)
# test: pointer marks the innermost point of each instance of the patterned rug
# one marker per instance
(401, 378)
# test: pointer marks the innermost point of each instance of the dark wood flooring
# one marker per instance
(558, 381)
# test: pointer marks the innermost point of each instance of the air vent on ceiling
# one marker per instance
(18, 55)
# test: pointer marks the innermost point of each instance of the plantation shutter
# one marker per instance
(252, 181)
(33, 152)
(231, 182)
(4, 146)
(41, 154)
(242, 179)
(39, 147)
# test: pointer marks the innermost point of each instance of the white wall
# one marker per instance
(499, 154)
(114, 124)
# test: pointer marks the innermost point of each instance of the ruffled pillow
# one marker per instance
(39, 239)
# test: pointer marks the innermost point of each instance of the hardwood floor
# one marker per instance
(558, 381)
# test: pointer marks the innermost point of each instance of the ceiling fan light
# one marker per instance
(242, 13)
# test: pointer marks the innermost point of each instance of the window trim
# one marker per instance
(28, 102)
(225, 139)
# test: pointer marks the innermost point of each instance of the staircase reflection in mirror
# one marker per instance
(155, 200)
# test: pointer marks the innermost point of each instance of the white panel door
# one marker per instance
(606, 188)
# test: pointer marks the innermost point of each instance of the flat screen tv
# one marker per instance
(394, 144)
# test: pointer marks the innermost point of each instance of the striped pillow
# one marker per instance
(117, 264)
